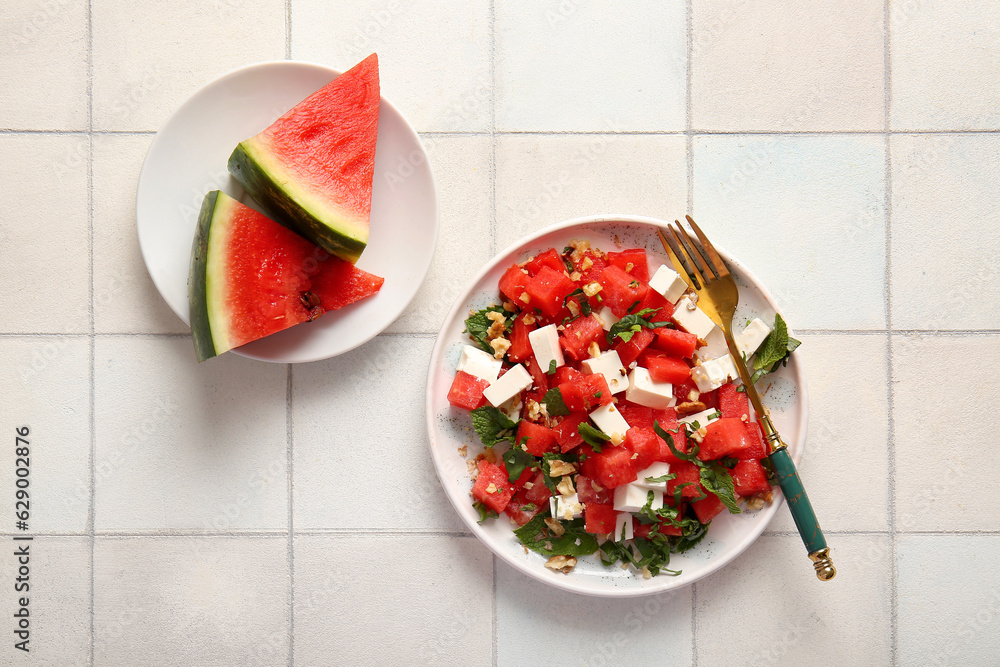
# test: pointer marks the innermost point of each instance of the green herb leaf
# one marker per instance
(574, 542)
(585, 308)
(592, 436)
(629, 325)
(554, 404)
(492, 426)
(691, 456)
(774, 350)
(661, 479)
(477, 324)
(516, 460)
(717, 479)
(484, 512)
(552, 368)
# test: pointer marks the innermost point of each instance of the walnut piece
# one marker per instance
(564, 564)
(500, 347)
(558, 468)
(555, 526)
(690, 407)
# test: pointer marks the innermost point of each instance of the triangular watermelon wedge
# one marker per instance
(312, 169)
(251, 277)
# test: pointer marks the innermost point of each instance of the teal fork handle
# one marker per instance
(802, 513)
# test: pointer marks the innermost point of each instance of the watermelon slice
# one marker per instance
(312, 169)
(251, 277)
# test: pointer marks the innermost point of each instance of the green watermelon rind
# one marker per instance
(333, 231)
(209, 341)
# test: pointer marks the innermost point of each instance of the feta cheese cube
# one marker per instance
(630, 498)
(607, 318)
(642, 390)
(623, 527)
(655, 469)
(714, 373)
(668, 284)
(715, 346)
(704, 418)
(750, 338)
(565, 507)
(610, 365)
(508, 385)
(545, 344)
(610, 421)
(475, 361)
(694, 320)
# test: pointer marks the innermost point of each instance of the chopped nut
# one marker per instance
(463, 451)
(564, 564)
(699, 435)
(496, 330)
(646, 574)
(533, 409)
(622, 371)
(573, 308)
(597, 487)
(635, 456)
(526, 552)
(690, 407)
(524, 298)
(579, 249)
(565, 486)
(490, 455)
(693, 395)
(575, 276)
(692, 303)
(494, 316)
(558, 468)
(628, 267)
(616, 438)
(744, 418)
(529, 318)
(509, 306)
(555, 526)
(529, 485)
(500, 347)
(473, 468)
(755, 503)
(492, 488)
(594, 350)
(591, 289)
(586, 263)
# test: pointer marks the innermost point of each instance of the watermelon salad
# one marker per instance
(610, 410)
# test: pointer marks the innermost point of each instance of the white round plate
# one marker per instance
(188, 157)
(450, 428)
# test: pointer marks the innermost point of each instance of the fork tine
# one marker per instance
(704, 267)
(679, 260)
(714, 259)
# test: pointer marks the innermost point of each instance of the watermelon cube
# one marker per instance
(579, 334)
(708, 508)
(726, 436)
(492, 488)
(548, 289)
(629, 351)
(621, 291)
(599, 519)
(749, 477)
(668, 369)
(537, 439)
(632, 261)
(675, 342)
(467, 391)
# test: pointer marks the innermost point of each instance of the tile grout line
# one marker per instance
(288, 29)
(289, 439)
(689, 158)
(890, 433)
(91, 522)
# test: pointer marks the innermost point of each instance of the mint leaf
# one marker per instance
(774, 347)
(484, 512)
(552, 368)
(516, 460)
(492, 426)
(574, 542)
(691, 456)
(717, 479)
(661, 479)
(629, 325)
(554, 404)
(592, 436)
(477, 324)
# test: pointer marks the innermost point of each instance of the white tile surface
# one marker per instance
(806, 214)
(50, 376)
(847, 433)
(773, 587)
(440, 80)
(58, 597)
(414, 600)
(948, 615)
(149, 57)
(787, 66)
(549, 55)
(542, 625)
(44, 65)
(44, 236)
(361, 455)
(462, 173)
(944, 61)
(125, 299)
(199, 600)
(940, 445)
(542, 180)
(945, 232)
(188, 446)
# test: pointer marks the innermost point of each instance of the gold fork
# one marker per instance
(705, 272)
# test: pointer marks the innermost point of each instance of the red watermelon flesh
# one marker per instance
(312, 168)
(251, 277)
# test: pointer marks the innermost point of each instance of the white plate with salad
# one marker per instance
(617, 482)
